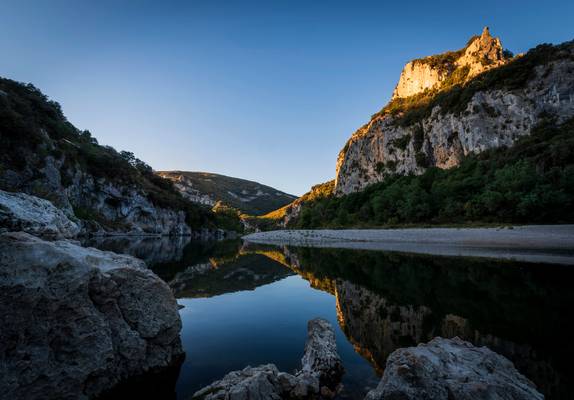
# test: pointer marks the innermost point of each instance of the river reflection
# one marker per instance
(247, 304)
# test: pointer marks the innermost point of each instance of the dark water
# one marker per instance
(249, 305)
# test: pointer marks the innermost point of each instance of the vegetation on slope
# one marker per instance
(33, 127)
(530, 182)
(246, 196)
(271, 220)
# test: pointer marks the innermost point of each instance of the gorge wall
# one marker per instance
(103, 190)
(455, 104)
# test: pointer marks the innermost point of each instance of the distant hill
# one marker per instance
(247, 196)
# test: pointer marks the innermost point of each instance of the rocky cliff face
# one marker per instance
(103, 206)
(107, 191)
(76, 321)
(446, 107)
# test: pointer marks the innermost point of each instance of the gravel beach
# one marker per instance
(533, 243)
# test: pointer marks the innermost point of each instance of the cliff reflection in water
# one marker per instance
(385, 301)
(388, 300)
(195, 268)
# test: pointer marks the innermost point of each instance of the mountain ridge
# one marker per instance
(247, 196)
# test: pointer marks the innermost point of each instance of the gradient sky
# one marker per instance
(268, 91)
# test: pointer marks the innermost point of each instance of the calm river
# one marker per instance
(249, 305)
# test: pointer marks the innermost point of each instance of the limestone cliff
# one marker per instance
(480, 54)
(458, 103)
(107, 191)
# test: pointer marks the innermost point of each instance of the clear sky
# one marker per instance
(268, 91)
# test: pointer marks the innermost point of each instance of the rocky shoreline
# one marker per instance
(531, 243)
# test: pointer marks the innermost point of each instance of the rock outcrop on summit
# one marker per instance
(481, 54)
(458, 103)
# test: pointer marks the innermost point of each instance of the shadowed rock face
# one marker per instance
(319, 376)
(76, 321)
(451, 369)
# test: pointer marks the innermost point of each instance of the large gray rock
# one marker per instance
(257, 383)
(319, 377)
(321, 357)
(23, 212)
(75, 321)
(451, 369)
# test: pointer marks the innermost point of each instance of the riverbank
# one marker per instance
(530, 243)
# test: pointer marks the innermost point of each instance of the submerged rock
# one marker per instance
(451, 369)
(319, 377)
(23, 212)
(76, 321)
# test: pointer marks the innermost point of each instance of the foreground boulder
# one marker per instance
(319, 377)
(23, 212)
(451, 369)
(76, 321)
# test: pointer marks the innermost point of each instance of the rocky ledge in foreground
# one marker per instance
(76, 321)
(319, 377)
(451, 369)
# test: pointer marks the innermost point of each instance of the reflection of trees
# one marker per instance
(390, 300)
(225, 275)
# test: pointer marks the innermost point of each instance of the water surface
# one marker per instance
(249, 305)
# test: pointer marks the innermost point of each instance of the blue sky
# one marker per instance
(268, 91)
